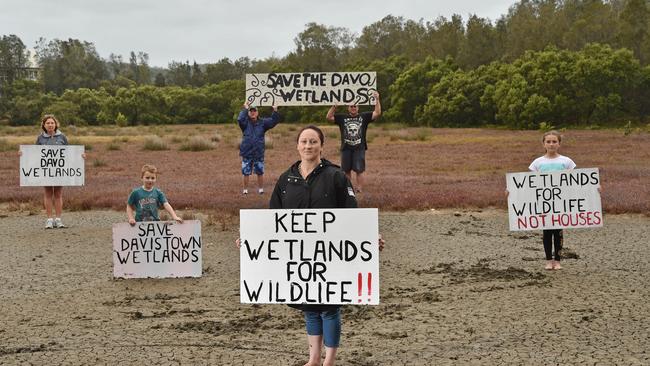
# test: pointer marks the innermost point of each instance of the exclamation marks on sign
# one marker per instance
(360, 286)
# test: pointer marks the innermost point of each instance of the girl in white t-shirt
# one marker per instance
(552, 161)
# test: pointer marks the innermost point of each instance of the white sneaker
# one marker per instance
(244, 192)
(58, 223)
(260, 191)
(49, 224)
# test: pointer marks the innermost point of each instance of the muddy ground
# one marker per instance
(456, 288)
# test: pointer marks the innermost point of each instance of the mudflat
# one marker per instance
(456, 287)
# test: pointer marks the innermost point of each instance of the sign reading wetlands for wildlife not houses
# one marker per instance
(554, 200)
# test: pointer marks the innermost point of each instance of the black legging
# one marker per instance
(551, 236)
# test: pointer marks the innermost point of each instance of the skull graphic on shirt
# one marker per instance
(353, 132)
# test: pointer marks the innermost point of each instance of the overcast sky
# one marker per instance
(206, 31)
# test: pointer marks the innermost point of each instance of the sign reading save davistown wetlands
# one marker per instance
(157, 249)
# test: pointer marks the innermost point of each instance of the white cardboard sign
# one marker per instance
(311, 88)
(51, 165)
(157, 249)
(554, 200)
(310, 256)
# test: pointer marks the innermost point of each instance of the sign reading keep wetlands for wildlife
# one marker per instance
(554, 200)
(51, 165)
(311, 256)
(157, 249)
(311, 88)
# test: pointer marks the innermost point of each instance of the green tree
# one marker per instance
(225, 69)
(478, 47)
(160, 80)
(70, 64)
(66, 112)
(13, 57)
(25, 102)
(587, 22)
(179, 73)
(139, 70)
(198, 78)
(391, 36)
(411, 89)
(320, 48)
(89, 103)
(634, 32)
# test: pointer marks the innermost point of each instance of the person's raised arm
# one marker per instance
(330, 113)
(377, 112)
(243, 114)
(271, 122)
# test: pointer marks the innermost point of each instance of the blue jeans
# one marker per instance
(327, 324)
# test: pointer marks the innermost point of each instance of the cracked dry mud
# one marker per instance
(456, 288)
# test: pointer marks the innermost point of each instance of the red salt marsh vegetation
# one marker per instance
(407, 168)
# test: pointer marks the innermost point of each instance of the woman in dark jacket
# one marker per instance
(313, 182)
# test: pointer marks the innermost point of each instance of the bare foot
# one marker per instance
(556, 265)
(549, 265)
(312, 364)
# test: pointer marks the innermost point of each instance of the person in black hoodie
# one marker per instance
(313, 182)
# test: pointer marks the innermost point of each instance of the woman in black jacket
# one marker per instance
(313, 182)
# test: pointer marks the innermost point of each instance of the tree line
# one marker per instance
(554, 62)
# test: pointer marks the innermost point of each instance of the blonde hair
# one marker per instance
(553, 133)
(148, 168)
(45, 118)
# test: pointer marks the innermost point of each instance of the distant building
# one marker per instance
(30, 72)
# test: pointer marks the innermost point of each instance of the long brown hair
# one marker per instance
(45, 118)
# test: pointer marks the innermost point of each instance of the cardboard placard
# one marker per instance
(554, 200)
(312, 256)
(311, 88)
(157, 249)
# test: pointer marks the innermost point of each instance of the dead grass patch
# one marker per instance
(197, 143)
(5, 145)
(155, 143)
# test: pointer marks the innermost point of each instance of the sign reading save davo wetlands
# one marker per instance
(554, 200)
(311, 88)
(311, 256)
(51, 165)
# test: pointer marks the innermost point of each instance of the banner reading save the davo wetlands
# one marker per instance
(51, 165)
(313, 256)
(554, 200)
(311, 88)
(157, 249)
